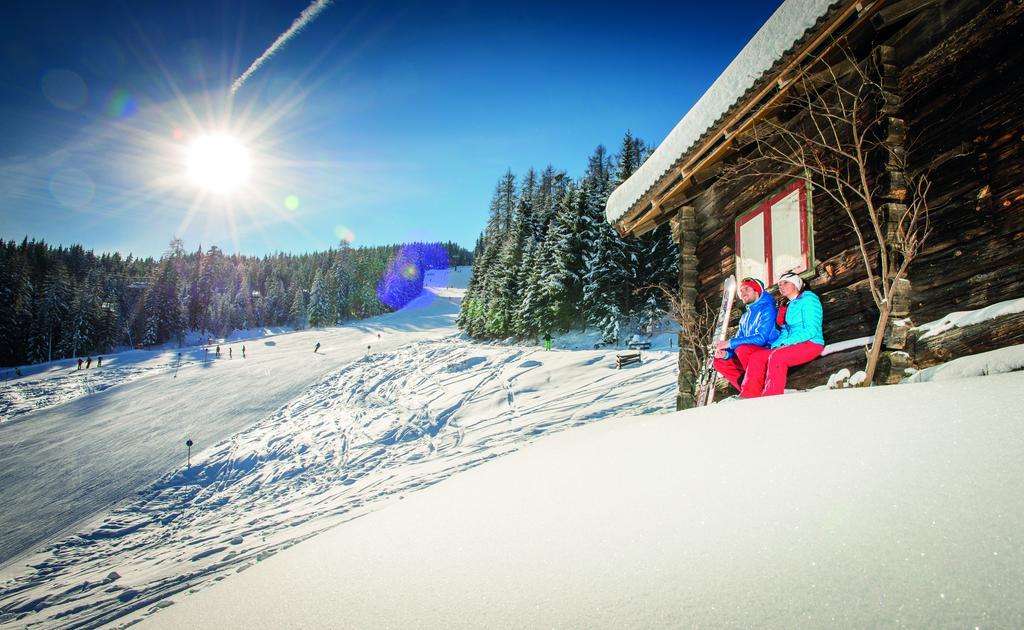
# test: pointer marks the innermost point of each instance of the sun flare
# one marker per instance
(218, 163)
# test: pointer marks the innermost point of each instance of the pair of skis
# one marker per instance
(708, 377)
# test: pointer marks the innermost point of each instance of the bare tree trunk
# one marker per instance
(876, 345)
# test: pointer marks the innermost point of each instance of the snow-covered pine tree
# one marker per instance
(547, 292)
(485, 307)
(606, 271)
(110, 323)
(297, 311)
(564, 269)
(550, 186)
(473, 313)
(319, 309)
(76, 330)
(508, 274)
(196, 306)
(165, 317)
(51, 309)
(529, 296)
(342, 273)
(16, 315)
(653, 257)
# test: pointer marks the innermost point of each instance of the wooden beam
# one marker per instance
(899, 11)
(684, 233)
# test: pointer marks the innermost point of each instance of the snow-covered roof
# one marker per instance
(783, 29)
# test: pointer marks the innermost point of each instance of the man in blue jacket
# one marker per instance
(799, 341)
(757, 331)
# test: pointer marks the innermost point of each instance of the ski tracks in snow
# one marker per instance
(24, 396)
(385, 425)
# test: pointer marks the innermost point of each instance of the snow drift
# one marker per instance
(895, 506)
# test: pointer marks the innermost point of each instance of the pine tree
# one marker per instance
(653, 257)
(565, 268)
(543, 291)
(16, 314)
(319, 309)
(165, 319)
(606, 271)
(341, 272)
(297, 312)
(76, 332)
(51, 309)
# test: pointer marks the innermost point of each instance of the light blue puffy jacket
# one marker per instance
(803, 322)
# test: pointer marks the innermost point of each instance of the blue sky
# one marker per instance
(385, 121)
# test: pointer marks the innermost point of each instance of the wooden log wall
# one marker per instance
(964, 101)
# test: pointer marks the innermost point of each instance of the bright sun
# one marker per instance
(218, 162)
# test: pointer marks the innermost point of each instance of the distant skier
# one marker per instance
(316, 347)
(218, 350)
(80, 362)
(243, 352)
(547, 342)
(88, 362)
(99, 362)
(230, 355)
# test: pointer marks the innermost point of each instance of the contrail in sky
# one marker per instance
(308, 15)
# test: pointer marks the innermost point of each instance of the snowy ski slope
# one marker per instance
(288, 444)
(83, 451)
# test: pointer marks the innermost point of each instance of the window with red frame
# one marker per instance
(775, 236)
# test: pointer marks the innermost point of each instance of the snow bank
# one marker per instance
(1009, 359)
(840, 346)
(962, 319)
(788, 24)
(881, 507)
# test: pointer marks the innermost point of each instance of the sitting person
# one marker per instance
(800, 341)
(757, 330)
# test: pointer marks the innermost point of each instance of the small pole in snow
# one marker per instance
(188, 461)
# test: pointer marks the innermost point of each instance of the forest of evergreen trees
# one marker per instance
(549, 261)
(63, 302)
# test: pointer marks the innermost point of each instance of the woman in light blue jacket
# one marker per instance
(800, 341)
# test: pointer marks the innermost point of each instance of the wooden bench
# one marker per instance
(639, 345)
(626, 358)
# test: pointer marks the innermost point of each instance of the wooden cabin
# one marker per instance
(954, 98)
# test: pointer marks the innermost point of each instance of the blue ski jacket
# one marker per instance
(757, 325)
(803, 322)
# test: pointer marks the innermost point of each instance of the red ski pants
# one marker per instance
(767, 369)
(733, 368)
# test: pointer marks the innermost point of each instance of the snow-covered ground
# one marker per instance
(320, 505)
(85, 446)
(388, 422)
(864, 508)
